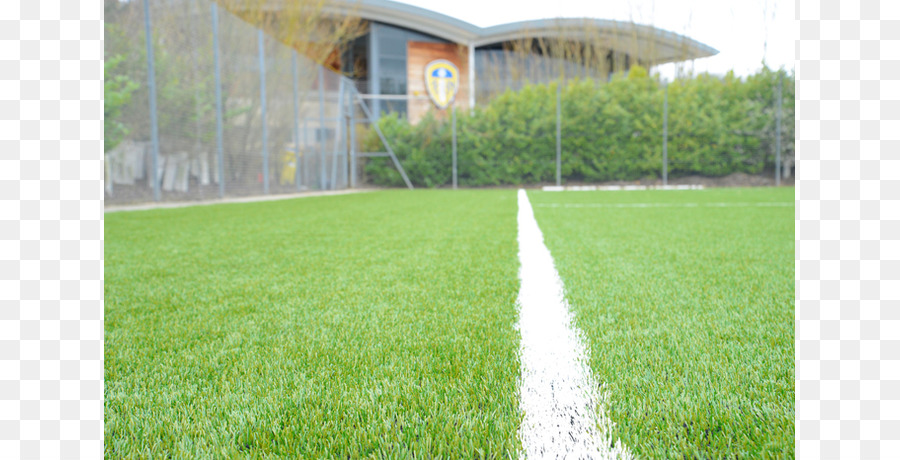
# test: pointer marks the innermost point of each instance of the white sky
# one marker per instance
(744, 31)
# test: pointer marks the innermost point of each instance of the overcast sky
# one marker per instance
(744, 31)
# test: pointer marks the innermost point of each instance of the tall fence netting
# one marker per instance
(282, 129)
(290, 125)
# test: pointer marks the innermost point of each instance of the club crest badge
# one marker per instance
(442, 82)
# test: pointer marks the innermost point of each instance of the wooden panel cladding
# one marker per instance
(418, 55)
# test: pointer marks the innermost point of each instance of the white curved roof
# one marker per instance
(643, 42)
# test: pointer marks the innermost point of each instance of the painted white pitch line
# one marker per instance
(663, 205)
(611, 188)
(563, 403)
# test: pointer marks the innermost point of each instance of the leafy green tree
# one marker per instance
(117, 90)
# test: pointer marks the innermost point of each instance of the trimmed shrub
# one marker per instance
(610, 131)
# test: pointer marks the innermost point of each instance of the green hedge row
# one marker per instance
(610, 131)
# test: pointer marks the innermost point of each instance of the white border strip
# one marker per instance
(561, 400)
(611, 188)
(246, 199)
(667, 205)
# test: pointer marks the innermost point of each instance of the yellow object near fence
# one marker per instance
(287, 164)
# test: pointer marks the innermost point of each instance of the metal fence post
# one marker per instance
(778, 130)
(454, 149)
(220, 149)
(374, 86)
(352, 117)
(346, 107)
(296, 120)
(345, 153)
(305, 144)
(471, 56)
(321, 136)
(665, 150)
(262, 95)
(337, 140)
(151, 85)
(558, 135)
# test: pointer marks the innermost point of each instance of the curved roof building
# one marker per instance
(671, 46)
(389, 59)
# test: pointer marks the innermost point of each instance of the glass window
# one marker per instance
(392, 62)
(393, 47)
(393, 66)
(394, 106)
(393, 85)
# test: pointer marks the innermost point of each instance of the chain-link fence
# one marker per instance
(633, 129)
(220, 108)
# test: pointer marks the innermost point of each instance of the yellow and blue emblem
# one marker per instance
(442, 82)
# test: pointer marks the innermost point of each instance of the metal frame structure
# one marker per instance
(370, 118)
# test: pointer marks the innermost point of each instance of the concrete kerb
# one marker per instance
(249, 199)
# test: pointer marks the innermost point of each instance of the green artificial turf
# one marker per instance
(688, 312)
(369, 325)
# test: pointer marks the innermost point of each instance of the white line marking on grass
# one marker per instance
(563, 403)
(612, 188)
(662, 205)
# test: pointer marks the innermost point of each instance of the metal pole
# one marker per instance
(471, 77)
(320, 136)
(375, 68)
(305, 144)
(558, 136)
(337, 138)
(296, 120)
(778, 130)
(220, 149)
(262, 95)
(352, 143)
(454, 149)
(346, 108)
(151, 85)
(665, 170)
(345, 153)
